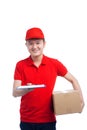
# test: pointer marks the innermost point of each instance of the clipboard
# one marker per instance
(31, 86)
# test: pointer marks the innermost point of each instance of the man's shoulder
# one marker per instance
(23, 60)
(51, 59)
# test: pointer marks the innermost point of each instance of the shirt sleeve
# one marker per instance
(61, 69)
(18, 72)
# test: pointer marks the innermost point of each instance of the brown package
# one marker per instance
(66, 102)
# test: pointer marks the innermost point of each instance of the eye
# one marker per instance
(37, 43)
(30, 43)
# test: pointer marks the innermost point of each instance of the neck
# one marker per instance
(37, 60)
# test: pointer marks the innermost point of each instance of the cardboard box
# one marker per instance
(66, 102)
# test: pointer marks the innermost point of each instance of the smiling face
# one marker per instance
(35, 47)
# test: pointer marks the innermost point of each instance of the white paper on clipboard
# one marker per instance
(31, 86)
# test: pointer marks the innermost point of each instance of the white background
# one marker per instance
(64, 23)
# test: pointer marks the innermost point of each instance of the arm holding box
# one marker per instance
(75, 85)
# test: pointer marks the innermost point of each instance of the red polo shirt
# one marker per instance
(36, 106)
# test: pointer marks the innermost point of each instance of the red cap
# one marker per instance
(34, 33)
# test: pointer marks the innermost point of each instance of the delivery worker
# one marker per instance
(36, 110)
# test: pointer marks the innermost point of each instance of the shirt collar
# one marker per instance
(30, 61)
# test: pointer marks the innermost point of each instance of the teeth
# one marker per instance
(35, 51)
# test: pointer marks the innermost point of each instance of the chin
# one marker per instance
(36, 55)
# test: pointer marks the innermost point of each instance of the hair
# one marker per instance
(38, 39)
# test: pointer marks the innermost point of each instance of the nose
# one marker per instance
(34, 45)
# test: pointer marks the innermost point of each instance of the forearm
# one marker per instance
(73, 81)
(75, 85)
(17, 92)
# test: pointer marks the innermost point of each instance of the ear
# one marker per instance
(25, 44)
(44, 43)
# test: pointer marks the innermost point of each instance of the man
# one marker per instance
(36, 110)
